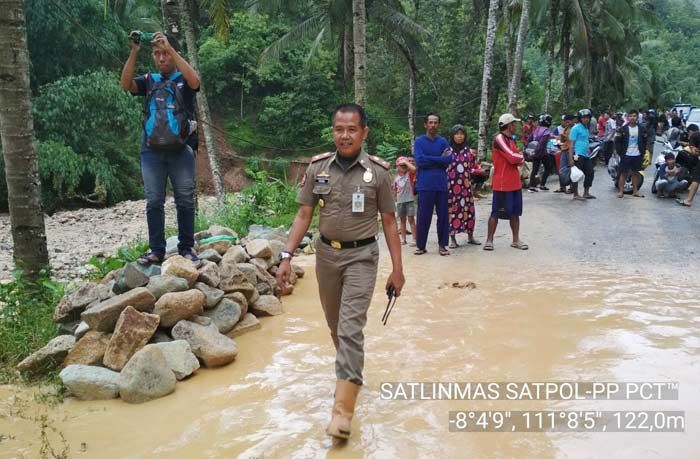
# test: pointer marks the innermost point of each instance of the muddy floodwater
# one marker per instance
(609, 291)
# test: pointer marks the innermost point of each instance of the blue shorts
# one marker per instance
(507, 204)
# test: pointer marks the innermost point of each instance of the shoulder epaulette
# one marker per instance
(380, 161)
(321, 156)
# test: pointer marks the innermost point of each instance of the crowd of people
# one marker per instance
(442, 175)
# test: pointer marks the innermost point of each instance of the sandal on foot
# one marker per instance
(488, 246)
(683, 203)
(473, 242)
(420, 252)
(519, 245)
(590, 196)
(638, 195)
(149, 258)
(190, 255)
(444, 252)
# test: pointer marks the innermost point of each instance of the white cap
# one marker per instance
(506, 119)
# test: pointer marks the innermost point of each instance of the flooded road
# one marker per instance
(607, 292)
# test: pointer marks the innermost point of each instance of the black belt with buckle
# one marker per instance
(348, 244)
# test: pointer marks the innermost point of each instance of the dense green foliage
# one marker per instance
(267, 201)
(26, 324)
(284, 65)
(89, 132)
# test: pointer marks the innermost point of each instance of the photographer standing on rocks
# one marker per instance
(350, 188)
(169, 110)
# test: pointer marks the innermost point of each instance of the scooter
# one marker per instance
(614, 172)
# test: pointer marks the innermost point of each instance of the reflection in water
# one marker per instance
(548, 324)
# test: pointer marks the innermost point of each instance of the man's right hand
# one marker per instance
(283, 271)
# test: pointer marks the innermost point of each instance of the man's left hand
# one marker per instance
(397, 280)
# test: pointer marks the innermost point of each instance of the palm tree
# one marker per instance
(359, 30)
(330, 22)
(514, 84)
(19, 151)
(486, 78)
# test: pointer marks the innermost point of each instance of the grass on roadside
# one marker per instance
(26, 321)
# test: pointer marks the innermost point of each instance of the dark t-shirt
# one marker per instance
(143, 85)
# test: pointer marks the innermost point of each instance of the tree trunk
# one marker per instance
(349, 55)
(486, 78)
(508, 39)
(202, 103)
(412, 77)
(514, 86)
(566, 51)
(412, 105)
(551, 32)
(169, 10)
(19, 151)
(358, 33)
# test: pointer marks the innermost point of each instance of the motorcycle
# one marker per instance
(614, 172)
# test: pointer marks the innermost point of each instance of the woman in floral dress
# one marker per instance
(461, 198)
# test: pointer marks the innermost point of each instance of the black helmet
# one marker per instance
(584, 112)
(545, 119)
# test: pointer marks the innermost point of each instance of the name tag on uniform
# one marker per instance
(323, 178)
(358, 202)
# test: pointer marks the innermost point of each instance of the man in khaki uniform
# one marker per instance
(350, 188)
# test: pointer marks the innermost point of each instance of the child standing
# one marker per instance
(404, 195)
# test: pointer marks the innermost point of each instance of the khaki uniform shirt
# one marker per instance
(327, 184)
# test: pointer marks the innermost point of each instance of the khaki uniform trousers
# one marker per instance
(346, 279)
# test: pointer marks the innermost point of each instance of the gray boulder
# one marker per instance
(72, 304)
(263, 232)
(250, 271)
(210, 255)
(136, 275)
(212, 295)
(235, 254)
(247, 324)
(209, 273)
(146, 376)
(87, 382)
(225, 315)
(160, 285)
(50, 355)
(267, 305)
(160, 337)
(179, 358)
(81, 330)
(213, 348)
(104, 316)
(259, 248)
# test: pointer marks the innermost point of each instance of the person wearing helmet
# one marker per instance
(528, 129)
(507, 188)
(579, 147)
(541, 135)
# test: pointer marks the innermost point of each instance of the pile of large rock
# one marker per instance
(141, 329)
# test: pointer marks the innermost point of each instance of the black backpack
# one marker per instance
(167, 123)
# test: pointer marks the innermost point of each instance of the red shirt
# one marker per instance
(601, 126)
(506, 159)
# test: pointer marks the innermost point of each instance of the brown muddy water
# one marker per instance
(549, 314)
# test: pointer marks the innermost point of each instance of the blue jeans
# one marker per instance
(156, 167)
